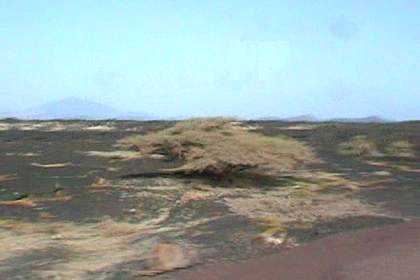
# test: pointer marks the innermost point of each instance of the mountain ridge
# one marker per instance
(75, 108)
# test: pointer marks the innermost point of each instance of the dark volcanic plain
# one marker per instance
(71, 207)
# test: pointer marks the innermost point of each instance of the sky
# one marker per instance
(205, 58)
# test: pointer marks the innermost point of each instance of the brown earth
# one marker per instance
(390, 253)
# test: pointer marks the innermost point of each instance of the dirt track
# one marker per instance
(392, 252)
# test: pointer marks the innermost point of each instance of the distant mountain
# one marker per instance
(4, 115)
(311, 118)
(300, 118)
(269, 118)
(74, 108)
(370, 119)
(135, 116)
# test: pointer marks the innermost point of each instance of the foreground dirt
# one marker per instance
(387, 253)
(71, 209)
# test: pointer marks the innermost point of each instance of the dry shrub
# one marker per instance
(7, 177)
(195, 195)
(359, 146)
(272, 224)
(46, 215)
(220, 147)
(25, 202)
(101, 184)
(401, 148)
(30, 202)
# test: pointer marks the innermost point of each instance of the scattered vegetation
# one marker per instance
(23, 200)
(103, 228)
(359, 146)
(362, 146)
(221, 147)
(275, 233)
(101, 183)
(401, 148)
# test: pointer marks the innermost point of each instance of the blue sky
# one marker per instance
(242, 58)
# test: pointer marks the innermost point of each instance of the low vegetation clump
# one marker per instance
(222, 147)
(359, 146)
(400, 148)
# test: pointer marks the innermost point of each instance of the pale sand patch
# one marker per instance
(52, 126)
(56, 127)
(135, 129)
(382, 173)
(376, 163)
(5, 126)
(99, 128)
(114, 154)
(300, 127)
(240, 125)
(156, 156)
(28, 154)
(52, 165)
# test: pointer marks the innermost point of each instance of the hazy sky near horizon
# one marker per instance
(242, 58)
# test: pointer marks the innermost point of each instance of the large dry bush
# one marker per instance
(401, 148)
(221, 147)
(359, 146)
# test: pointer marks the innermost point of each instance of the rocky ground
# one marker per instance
(70, 207)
